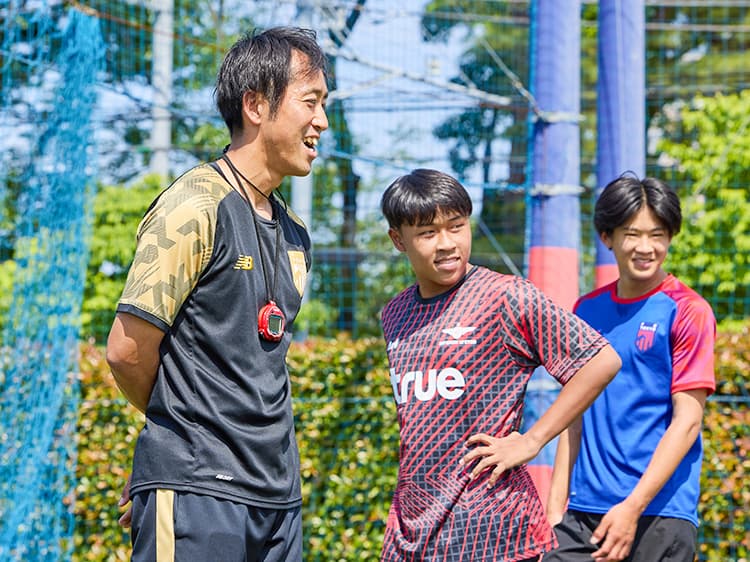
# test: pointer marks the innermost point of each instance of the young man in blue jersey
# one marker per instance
(462, 344)
(202, 329)
(630, 469)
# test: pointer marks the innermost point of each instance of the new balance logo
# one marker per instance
(243, 262)
(457, 334)
(392, 345)
(447, 383)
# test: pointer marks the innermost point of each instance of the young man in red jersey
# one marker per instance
(462, 343)
(636, 456)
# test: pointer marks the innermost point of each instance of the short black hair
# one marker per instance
(262, 63)
(418, 197)
(625, 196)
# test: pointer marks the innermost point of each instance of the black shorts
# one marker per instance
(170, 526)
(657, 539)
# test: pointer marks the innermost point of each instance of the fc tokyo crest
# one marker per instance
(645, 337)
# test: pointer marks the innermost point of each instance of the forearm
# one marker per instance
(133, 356)
(565, 457)
(514, 449)
(135, 384)
(677, 440)
(576, 396)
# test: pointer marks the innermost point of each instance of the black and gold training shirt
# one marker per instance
(219, 421)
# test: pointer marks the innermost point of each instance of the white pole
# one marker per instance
(302, 187)
(302, 198)
(161, 133)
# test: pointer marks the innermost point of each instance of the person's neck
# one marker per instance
(255, 183)
(252, 165)
(430, 295)
(630, 290)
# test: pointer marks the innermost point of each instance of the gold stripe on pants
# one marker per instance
(164, 525)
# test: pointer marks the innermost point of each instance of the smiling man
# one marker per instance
(636, 461)
(202, 329)
(462, 343)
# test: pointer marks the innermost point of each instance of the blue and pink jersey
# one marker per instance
(666, 342)
(459, 365)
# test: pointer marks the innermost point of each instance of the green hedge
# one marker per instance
(348, 437)
(107, 430)
(725, 495)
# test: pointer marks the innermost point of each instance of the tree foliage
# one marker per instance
(119, 209)
(478, 133)
(708, 145)
(688, 48)
(487, 139)
(117, 212)
(713, 59)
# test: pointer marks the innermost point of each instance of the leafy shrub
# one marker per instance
(733, 361)
(710, 166)
(348, 436)
(117, 212)
(107, 429)
(348, 439)
(725, 524)
(725, 529)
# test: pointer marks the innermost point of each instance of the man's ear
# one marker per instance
(396, 239)
(252, 107)
(606, 239)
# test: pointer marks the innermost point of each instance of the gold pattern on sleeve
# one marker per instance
(175, 243)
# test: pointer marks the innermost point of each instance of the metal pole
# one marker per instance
(621, 109)
(161, 79)
(555, 188)
(555, 183)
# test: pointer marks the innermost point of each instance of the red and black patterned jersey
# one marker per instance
(459, 365)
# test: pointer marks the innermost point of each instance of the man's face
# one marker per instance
(290, 137)
(438, 252)
(640, 247)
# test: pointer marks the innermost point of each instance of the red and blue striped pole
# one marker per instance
(554, 218)
(621, 107)
(555, 183)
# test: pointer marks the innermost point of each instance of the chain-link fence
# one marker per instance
(442, 83)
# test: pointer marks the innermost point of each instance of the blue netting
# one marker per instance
(38, 382)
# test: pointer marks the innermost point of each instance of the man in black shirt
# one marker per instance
(201, 333)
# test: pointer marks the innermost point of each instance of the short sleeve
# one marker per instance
(556, 338)
(693, 338)
(174, 244)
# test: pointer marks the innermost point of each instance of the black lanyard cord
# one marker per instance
(277, 224)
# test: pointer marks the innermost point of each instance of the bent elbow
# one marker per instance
(117, 365)
(120, 357)
(614, 362)
(115, 356)
(693, 431)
